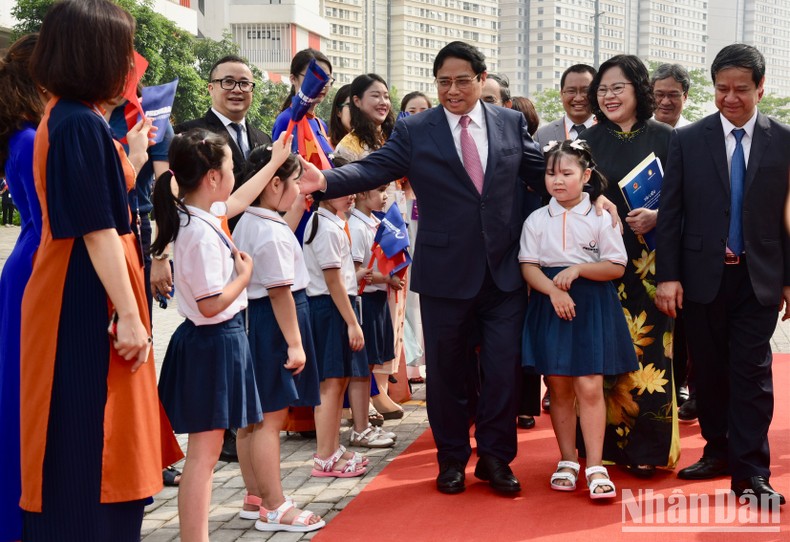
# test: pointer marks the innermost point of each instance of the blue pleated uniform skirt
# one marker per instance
(330, 335)
(278, 388)
(596, 341)
(377, 328)
(207, 379)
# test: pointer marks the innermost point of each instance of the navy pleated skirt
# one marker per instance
(330, 335)
(278, 388)
(207, 380)
(596, 341)
(377, 328)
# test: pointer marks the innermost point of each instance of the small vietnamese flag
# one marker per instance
(133, 80)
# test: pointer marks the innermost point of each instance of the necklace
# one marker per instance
(627, 136)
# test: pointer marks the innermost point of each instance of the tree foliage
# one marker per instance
(777, 107)
(548, 104)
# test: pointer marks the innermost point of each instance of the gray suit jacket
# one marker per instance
(553, 131)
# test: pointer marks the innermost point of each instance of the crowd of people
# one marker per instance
(529, 266)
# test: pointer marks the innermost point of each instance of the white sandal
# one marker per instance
(256, 501)
(271, 520)
(370, 438)
(571, 477)
(600, 482)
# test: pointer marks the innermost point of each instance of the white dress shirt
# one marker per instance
(477, 129)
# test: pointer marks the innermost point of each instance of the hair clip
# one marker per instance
(269, 148)
(172, 172)
(550, 145)
(578, 144)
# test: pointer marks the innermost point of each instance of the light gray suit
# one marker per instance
(553, 131)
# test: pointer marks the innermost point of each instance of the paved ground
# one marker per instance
(323, 496)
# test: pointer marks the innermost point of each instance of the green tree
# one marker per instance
(548, 104)
(777, 107)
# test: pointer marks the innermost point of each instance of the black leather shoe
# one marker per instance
(497, 473)
(705, 468)
(688, 410)
(759, 486)
(546, 402)
(526, 422)
(228, 452)
(451, 477)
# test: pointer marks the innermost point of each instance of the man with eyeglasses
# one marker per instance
(578, 115)
(496, 90)
(231, 84)
(670, 83)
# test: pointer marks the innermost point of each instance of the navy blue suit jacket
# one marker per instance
(693, 223)
(461, 231)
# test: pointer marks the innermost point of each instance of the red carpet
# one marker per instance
(401, 504)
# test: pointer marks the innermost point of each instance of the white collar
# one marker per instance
(582, 208)
(214, 219)
(370, 221)
(339, 222)
(476, 115)
(728, 127)
(226, 121)
(266, 213)
(569, 123)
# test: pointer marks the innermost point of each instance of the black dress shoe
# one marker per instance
(228, 452)
(451, 477)
(546, 402)
(526, 422)
(705, 468)
(688, 410)
(759, 486)
(497, 473)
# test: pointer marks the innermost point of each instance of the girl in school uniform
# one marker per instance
(207, 382)
(338, 337)
(575, 331)
(376, 319)
(281, 343)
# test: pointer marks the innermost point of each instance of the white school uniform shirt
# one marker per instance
(203, 264)
(363, 232)
(330, 249)
(276, 255)
(554, 236)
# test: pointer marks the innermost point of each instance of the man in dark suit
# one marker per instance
(578, 115)
(465, 259)
(231, 85)
(723, 256)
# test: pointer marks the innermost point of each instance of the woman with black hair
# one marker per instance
(641, 431)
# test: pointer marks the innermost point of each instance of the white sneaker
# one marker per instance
(386, 434)
(369, 438)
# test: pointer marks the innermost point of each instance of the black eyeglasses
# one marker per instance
(229, 84)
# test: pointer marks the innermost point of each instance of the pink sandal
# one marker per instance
(271, 520)
(257, 502)
(326, 467)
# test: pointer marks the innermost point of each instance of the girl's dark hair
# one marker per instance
(19, 96)
(299, 63)
(410, 96)
(191, 155)
(84, 50)
(579, 150)
(260, 156)
(364, 128)
(336, 129)
(636, 73)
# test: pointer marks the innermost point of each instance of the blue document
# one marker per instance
(642, 189)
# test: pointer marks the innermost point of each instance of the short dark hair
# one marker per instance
(635, 71)
(676, 72)
(299, 63)
(580, 151)
(361, 125)
(577, 68)
(504, 85)
(336, 129)
(527, 108)
(410, 96)
(464, 51)
(739, 55)
(225, 60)
(84, 50)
